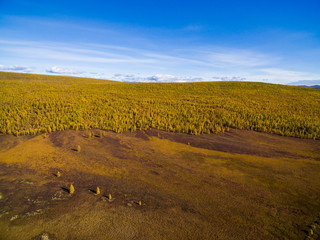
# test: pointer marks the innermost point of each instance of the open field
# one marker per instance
(236, 185)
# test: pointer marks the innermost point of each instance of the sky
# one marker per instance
(163, 41)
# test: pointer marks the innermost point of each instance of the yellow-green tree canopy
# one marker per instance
(30, 104)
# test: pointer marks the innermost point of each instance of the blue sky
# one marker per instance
(160, 41)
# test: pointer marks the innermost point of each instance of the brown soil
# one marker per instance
(237, 185)
(240, 141)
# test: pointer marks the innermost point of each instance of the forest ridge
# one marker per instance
(31, 103)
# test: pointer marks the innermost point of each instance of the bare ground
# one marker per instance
(237, 185)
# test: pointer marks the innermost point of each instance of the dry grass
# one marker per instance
(186, 191)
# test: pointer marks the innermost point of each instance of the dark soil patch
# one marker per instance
(237, 141)
(138, 134)
(114, 146)
(62, 139)
(8, 141)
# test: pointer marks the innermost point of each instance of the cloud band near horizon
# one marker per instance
(142, 57)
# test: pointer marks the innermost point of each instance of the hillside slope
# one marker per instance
(30, 104)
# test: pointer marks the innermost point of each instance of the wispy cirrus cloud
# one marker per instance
(98, 53)
(73, 55)
(243, 58)
(184, 53)
(221, 57)
(246, 65)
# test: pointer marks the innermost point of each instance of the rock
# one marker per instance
(4, 212)
(27, 182)
(1, 196)
(14, 217)
(60, 195)
(45, 236)
(37, 212)
(107, 198)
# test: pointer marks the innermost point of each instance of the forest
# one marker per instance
(32, 104)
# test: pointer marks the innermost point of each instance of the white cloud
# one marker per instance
(58, 51)
(199, 64)
(286, 76)
(305, 82)
(101, 49)
(246, 59)
(280, 72)
(215, 57)
(15, 68)
(154, 78)
(58, 70)
(227, 58)
(228, 78)
(170, 78)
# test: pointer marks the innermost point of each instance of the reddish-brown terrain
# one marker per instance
(237, 185)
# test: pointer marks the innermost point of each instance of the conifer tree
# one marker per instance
(71, 189)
